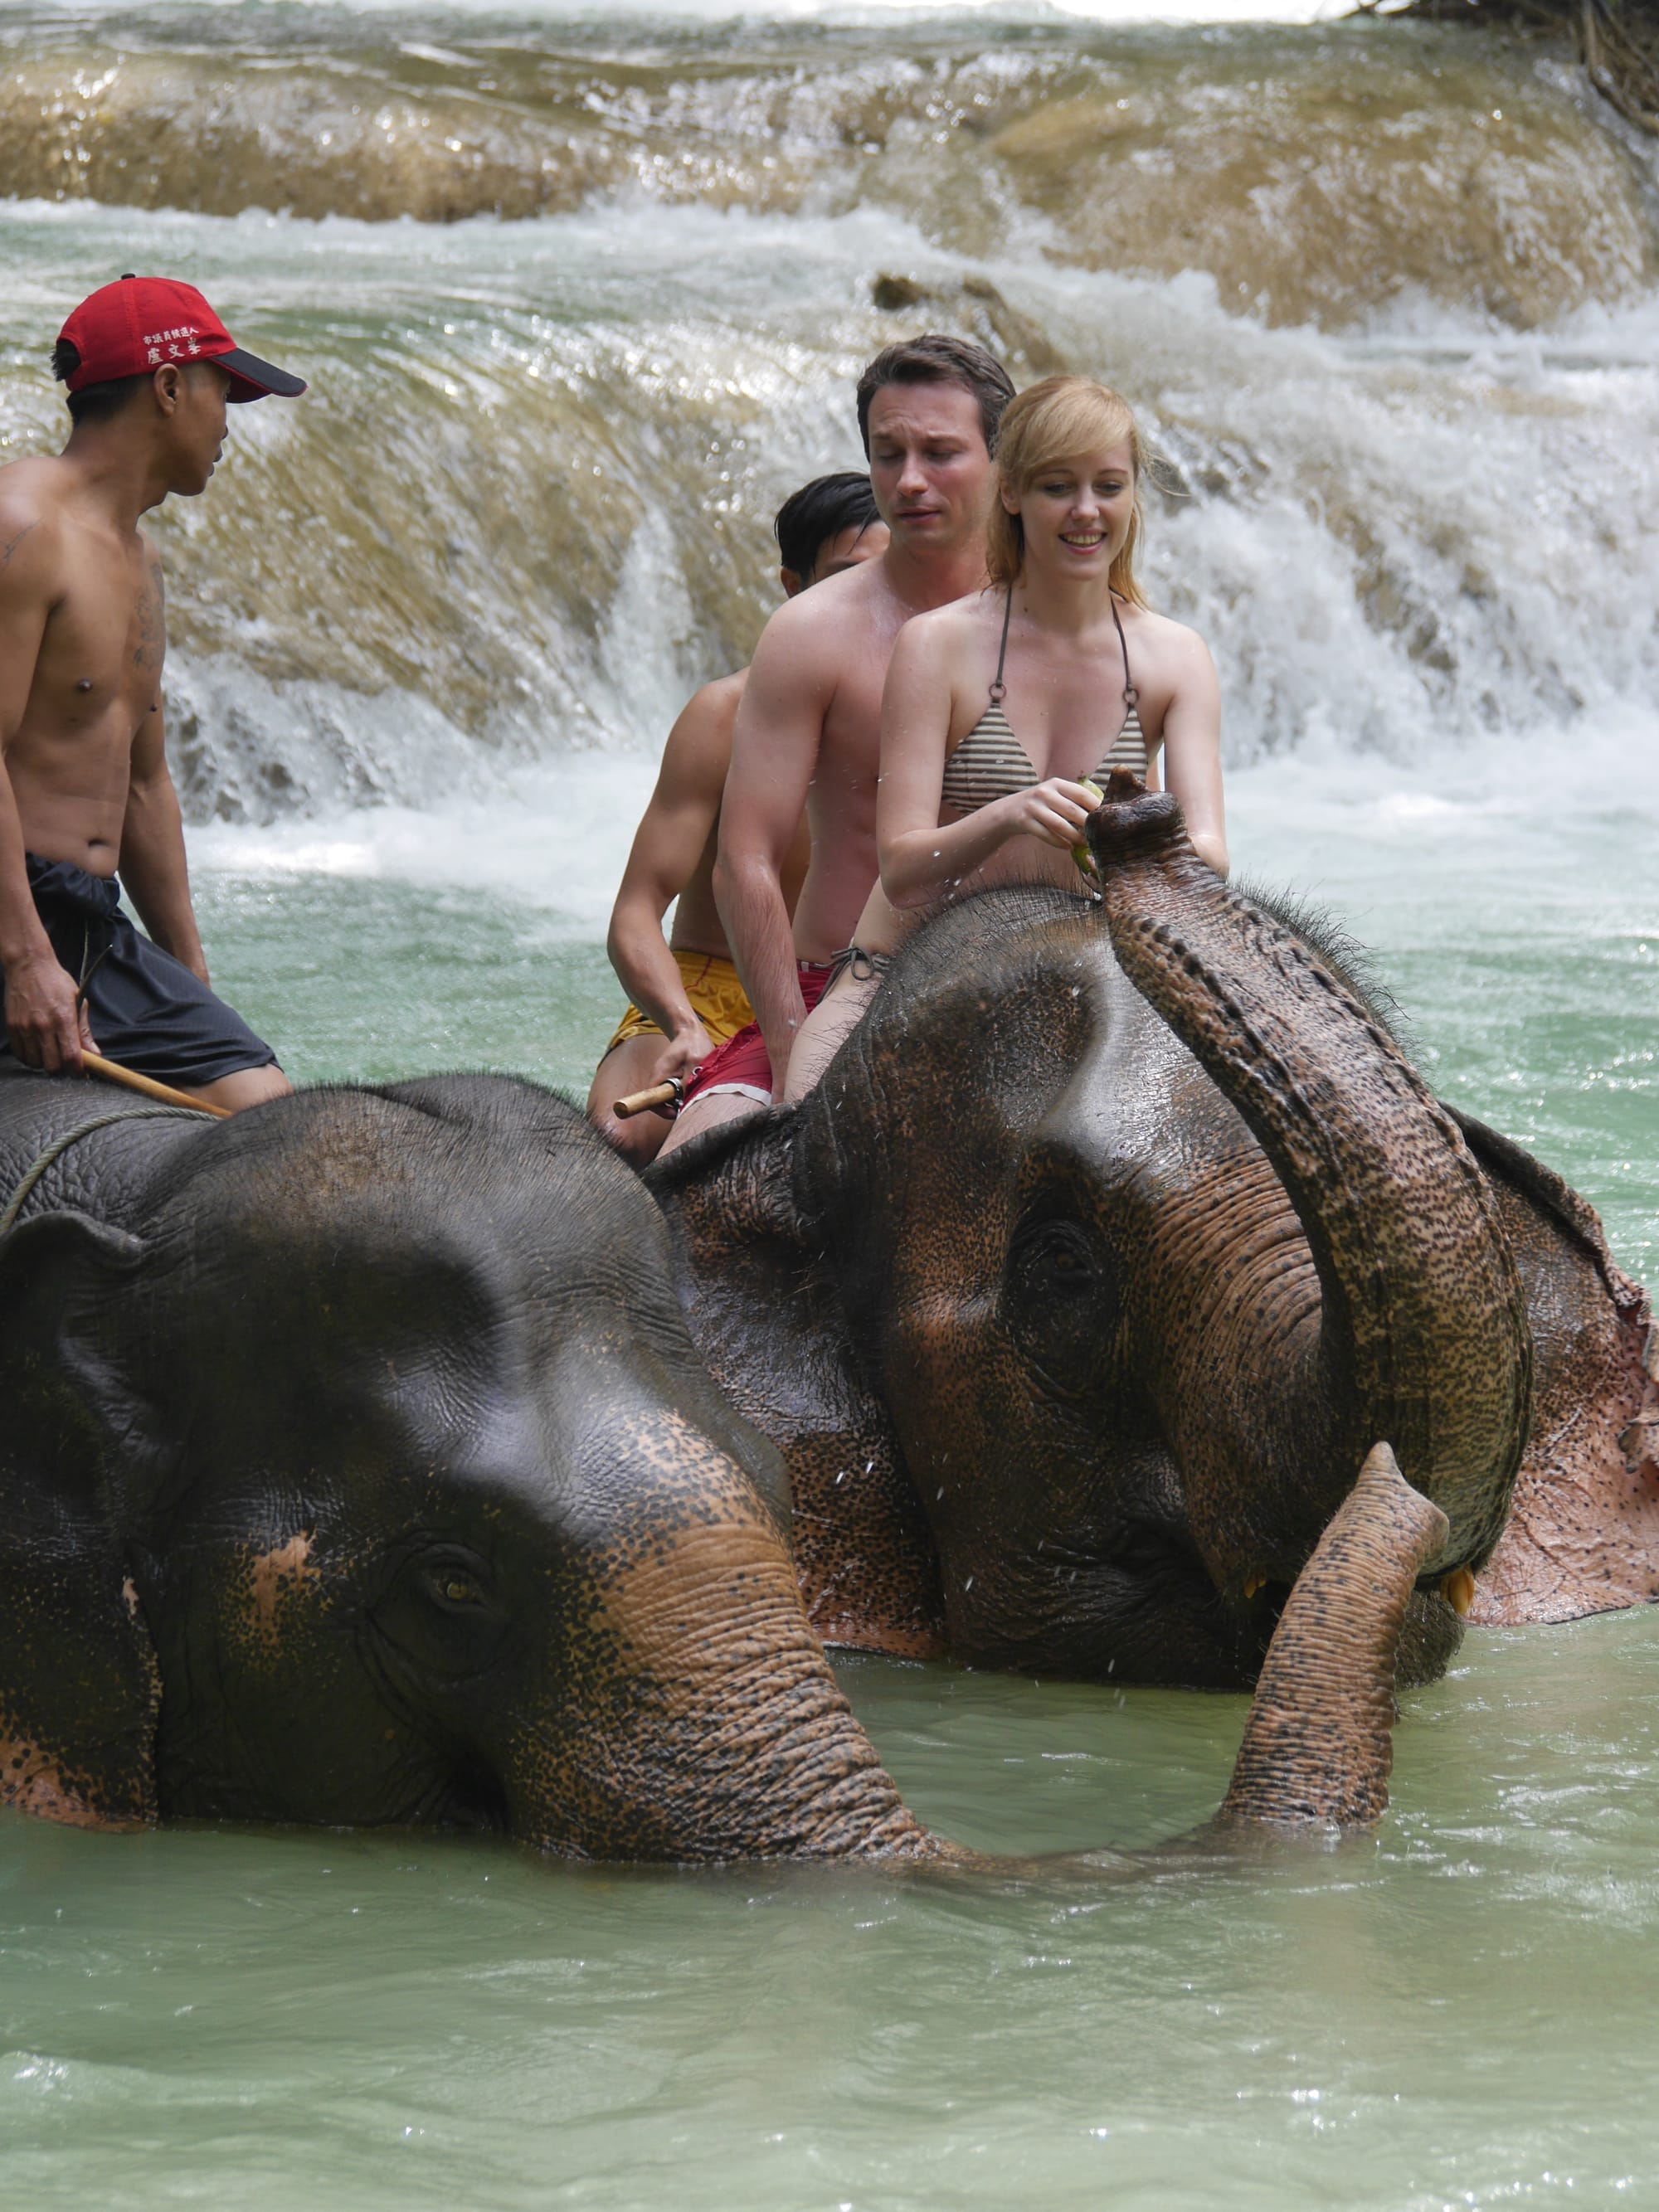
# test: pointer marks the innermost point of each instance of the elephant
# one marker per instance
(1112, 1235)
(358, 1467)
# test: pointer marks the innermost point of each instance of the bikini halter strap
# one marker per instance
(1131, 689)
(999, 688)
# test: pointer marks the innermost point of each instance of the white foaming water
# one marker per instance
(1411, 541)
(1417, 552)
(1396, 540)
(1421, 548)
(1488, 833)
(555, 835)
(1401, 538)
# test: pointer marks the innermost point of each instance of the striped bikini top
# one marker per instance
(991, 762)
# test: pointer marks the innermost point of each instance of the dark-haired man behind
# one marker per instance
(83, 775)
(808, 733)
(687, 997)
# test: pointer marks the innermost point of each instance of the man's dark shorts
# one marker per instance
(145, 1008)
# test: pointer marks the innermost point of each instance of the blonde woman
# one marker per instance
(997, 707)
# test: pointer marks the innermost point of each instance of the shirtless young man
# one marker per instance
(687, 998)
(83, 774)
(808, 733)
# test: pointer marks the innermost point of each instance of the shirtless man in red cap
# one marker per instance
(83, 775)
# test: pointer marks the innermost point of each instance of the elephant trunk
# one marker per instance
(705, 1724)
(1425, 1336)
(1317, 1747)
(700, 1720)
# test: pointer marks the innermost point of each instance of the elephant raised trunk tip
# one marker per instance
(1318, 1747)
(1133, 821)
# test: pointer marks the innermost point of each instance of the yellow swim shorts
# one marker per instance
(717, 996)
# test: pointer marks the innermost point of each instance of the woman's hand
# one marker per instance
(1054, 810)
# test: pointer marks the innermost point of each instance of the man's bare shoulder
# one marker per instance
(819, 621)
(42, 477)
(720, 700)
(32, 494)
(699, 748)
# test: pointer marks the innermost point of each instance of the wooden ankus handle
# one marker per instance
(113, 1072)
(662, 1099)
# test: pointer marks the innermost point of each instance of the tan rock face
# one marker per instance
(1315, 175)
(1344, 175)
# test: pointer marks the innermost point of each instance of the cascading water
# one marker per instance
(1383, 298)
(582, 294)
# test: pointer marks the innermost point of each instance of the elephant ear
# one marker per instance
(1583, 1534)
(765, 1314)
(80, 1691)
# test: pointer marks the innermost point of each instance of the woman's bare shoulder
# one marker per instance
(1175, 642)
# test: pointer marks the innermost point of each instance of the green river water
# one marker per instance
(1457, 2013)
(1389, 300)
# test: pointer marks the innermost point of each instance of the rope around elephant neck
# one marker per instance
(55, 1150)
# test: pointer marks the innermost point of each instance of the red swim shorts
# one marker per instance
(742, 1065)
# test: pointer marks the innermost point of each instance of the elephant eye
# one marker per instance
(441, 1613)
(1056, 1257)
(455, 1589)
(1061, 1301)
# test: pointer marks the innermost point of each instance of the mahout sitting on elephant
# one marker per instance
(358, 1467)
(1111, 1238)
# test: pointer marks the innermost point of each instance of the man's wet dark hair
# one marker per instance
(819, 511)
(935, 359)
(93, 403)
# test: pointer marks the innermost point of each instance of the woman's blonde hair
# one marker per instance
(1059, 420)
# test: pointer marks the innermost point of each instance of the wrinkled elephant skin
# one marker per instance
(1111, 1240)
(358, 1468)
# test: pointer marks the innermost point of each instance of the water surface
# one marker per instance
(1458, 2013)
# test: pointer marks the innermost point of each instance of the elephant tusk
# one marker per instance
(1458, 1589)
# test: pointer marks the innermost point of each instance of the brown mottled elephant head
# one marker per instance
(360, 1469)
(1112, 1238)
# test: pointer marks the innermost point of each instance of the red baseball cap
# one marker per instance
(144, 322)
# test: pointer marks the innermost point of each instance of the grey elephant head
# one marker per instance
(1111, 1239)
